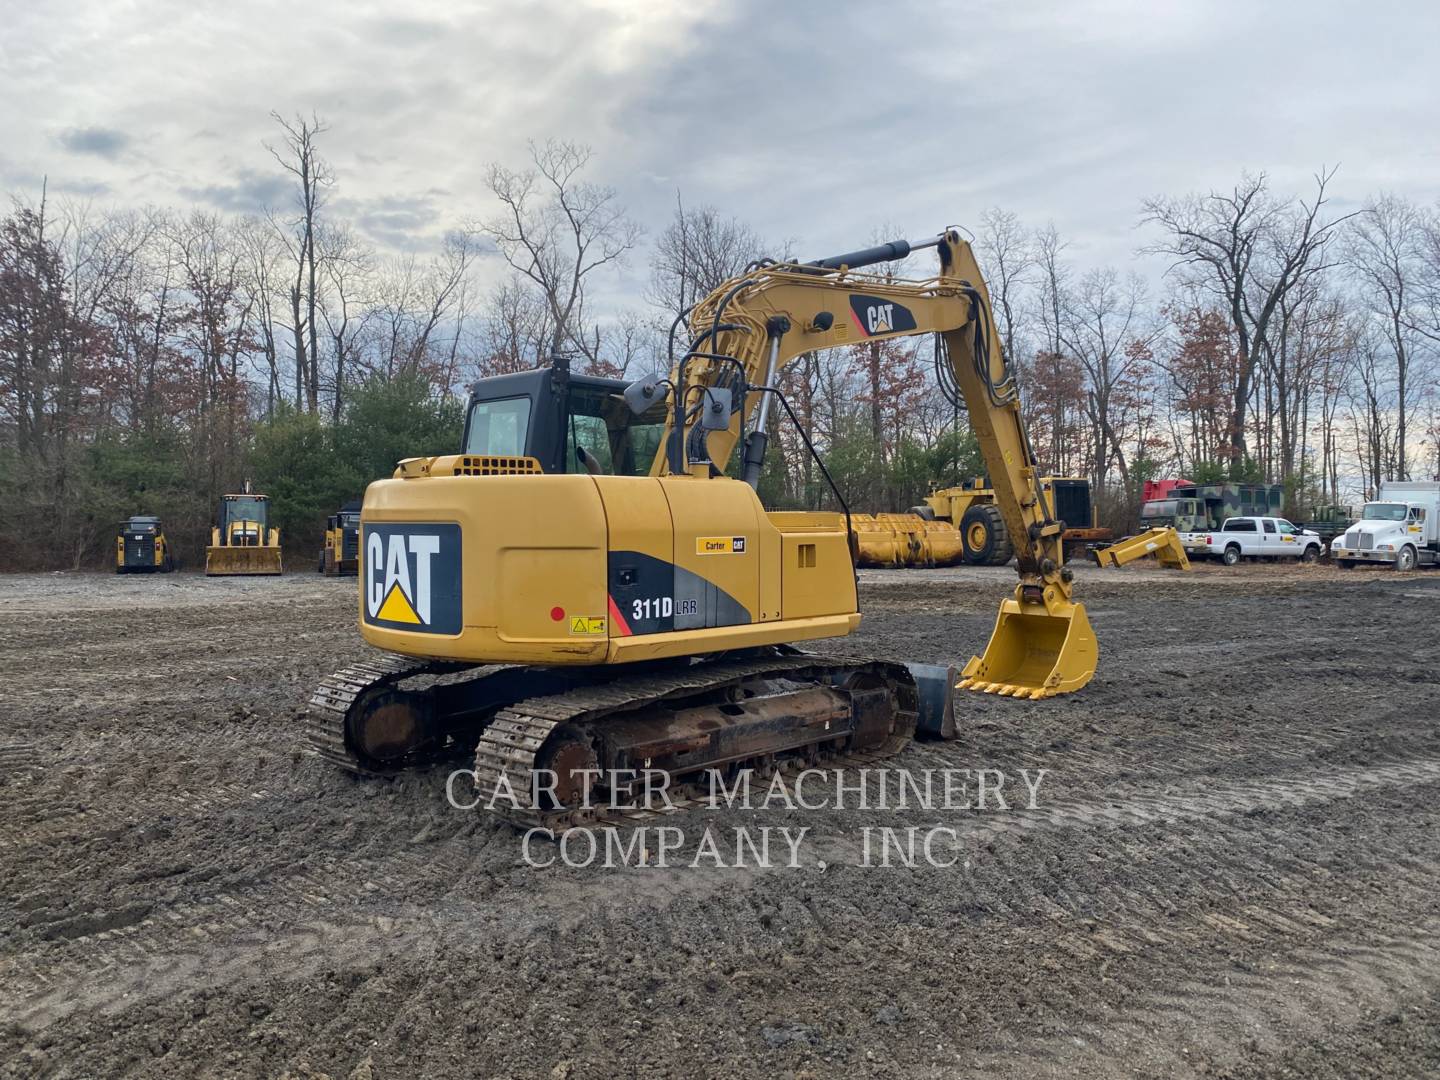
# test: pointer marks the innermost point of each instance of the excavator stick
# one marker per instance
(227, 560)
(1042, 645)
(1164, 543)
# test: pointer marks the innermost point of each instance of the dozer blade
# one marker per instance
(1040, 647)
(220, 561)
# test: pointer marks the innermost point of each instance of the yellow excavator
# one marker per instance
(603, 599)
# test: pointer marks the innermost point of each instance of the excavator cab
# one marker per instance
(566, 423)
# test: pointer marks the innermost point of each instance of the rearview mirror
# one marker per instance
(640, 394)
(716, 414)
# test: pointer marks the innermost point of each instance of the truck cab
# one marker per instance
(1187, 516)
(1262, 538)
(1400, 529)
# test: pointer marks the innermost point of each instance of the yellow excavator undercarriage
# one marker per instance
(603, 597)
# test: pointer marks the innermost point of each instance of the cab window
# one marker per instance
(621, 443)
(1269, 525)
(498, 428)
(1239, 525)
(1286, 529)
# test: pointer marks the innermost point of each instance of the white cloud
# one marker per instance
(810, 120)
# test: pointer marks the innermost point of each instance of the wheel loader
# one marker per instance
(242, 542)
(964, 524)
(583, 594)
(141, 547)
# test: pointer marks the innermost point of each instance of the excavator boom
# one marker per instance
(1163, 543)
(746, 331)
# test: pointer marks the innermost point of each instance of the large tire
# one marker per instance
(1345, 564)
(1406, 558)
(1311, 554)
(983, 536)
(923, 512)
(1231, 556)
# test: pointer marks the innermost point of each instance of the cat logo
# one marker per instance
(876, 315)
(412, 577)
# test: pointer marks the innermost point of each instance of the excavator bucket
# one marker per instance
(222, 560)
(1042, 645)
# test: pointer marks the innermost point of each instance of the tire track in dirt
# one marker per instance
(133, 951)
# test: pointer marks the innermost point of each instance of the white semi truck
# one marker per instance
(1401, 528)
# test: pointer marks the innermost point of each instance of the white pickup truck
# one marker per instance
(1262, 538)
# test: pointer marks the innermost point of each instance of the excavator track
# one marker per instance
(327, 720)
(514, 743)
(778, 709)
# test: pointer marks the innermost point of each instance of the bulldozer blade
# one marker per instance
(222, 561)
(935, 691)
(1037, 649)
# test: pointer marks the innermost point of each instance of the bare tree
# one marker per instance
(556, 230)
(516, 331)
(1007, 257)
(1248, 249)
(344, 304)
(300, 157)
(1385, 251)
(1104, 328)
(698, 250)
(263, 252)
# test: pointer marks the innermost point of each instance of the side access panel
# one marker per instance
(717, 527)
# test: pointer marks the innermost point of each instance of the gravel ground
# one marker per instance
(1233, 867)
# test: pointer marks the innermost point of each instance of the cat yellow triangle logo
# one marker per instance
(396, 608)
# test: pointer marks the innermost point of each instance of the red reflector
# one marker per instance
(557, 613)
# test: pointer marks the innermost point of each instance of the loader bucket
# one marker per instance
(1042, 645)
(222, 560)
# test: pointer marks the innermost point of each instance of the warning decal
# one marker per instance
(592, 625)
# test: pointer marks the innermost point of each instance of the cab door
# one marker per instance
(1269, 538)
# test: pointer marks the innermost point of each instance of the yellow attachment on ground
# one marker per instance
(878, 542)
(241, 560)
(1042, 645)
(894, 540)
(1163, 543)
(942, 543)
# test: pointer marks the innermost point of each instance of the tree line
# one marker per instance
(152, 359)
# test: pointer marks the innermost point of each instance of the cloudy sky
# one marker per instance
(809, 120)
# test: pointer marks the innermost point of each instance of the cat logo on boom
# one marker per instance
(876, 315)
(412, 577)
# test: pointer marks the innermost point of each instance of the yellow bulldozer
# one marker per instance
(602, 599)
(242, 542)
